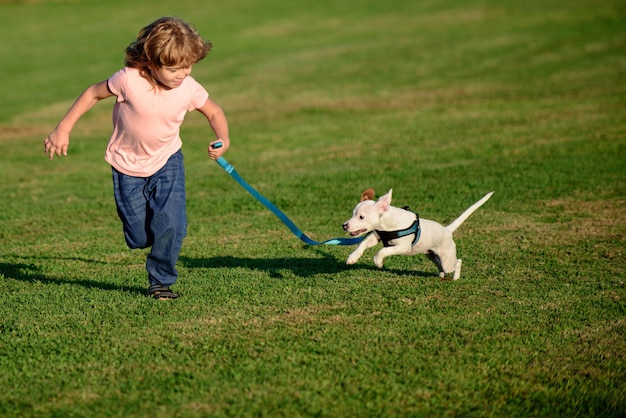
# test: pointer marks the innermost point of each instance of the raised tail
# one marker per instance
(458, 221)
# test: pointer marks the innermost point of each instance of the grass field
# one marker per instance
(442, 101)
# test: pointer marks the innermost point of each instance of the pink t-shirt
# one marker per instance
(146, 121)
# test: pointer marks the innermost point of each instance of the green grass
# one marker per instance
(442, 101)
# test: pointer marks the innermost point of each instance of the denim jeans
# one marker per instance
(153, 213)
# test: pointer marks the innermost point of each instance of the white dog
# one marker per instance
(404, 233)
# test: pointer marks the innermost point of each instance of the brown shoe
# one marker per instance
(161, 292)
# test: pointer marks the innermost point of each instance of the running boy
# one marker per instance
(153, 93)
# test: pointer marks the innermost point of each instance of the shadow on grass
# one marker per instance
(273, 267)
(300, 267)
(32, 273)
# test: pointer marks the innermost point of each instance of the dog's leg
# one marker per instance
(457, 269)
(448, 263)
(437, 261)
(370, 241)
(398, 249)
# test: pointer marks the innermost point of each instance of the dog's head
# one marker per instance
(367, 213)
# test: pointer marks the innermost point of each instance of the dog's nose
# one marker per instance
(345, 226)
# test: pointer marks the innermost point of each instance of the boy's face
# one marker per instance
(171, 77)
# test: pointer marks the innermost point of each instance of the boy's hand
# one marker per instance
(56, 143)
(216, 151)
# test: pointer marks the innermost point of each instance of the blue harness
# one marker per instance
(386, 236)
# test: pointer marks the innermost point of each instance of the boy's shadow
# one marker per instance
(32, 273)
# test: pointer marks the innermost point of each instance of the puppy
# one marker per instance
(404, 233)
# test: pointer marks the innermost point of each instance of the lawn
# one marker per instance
(441, 101)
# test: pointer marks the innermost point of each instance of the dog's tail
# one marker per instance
(458, 221)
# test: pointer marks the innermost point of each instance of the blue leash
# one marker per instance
(258, 196)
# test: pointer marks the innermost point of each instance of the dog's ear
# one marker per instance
(368, 195)
(384, 201)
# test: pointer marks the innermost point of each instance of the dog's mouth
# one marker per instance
(357, 233)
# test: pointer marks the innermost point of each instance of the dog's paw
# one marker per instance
(378, 261)
(353, 258)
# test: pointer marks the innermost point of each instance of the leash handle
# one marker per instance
(221, 161)
(263, 200)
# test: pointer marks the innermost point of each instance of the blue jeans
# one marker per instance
(153, 213)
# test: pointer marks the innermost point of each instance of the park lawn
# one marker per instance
(441, 101)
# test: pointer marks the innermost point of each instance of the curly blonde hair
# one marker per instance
(167, 41)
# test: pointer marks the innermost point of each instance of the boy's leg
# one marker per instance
(167, 221)
(131, 203)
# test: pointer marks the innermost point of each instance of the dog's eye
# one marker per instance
(361, 217)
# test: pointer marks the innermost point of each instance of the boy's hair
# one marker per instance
(166, 42)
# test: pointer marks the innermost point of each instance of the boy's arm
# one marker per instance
(217, 119)
(58, 141)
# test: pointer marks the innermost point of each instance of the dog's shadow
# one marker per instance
(277, 268)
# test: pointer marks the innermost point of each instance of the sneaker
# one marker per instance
(161, 292)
